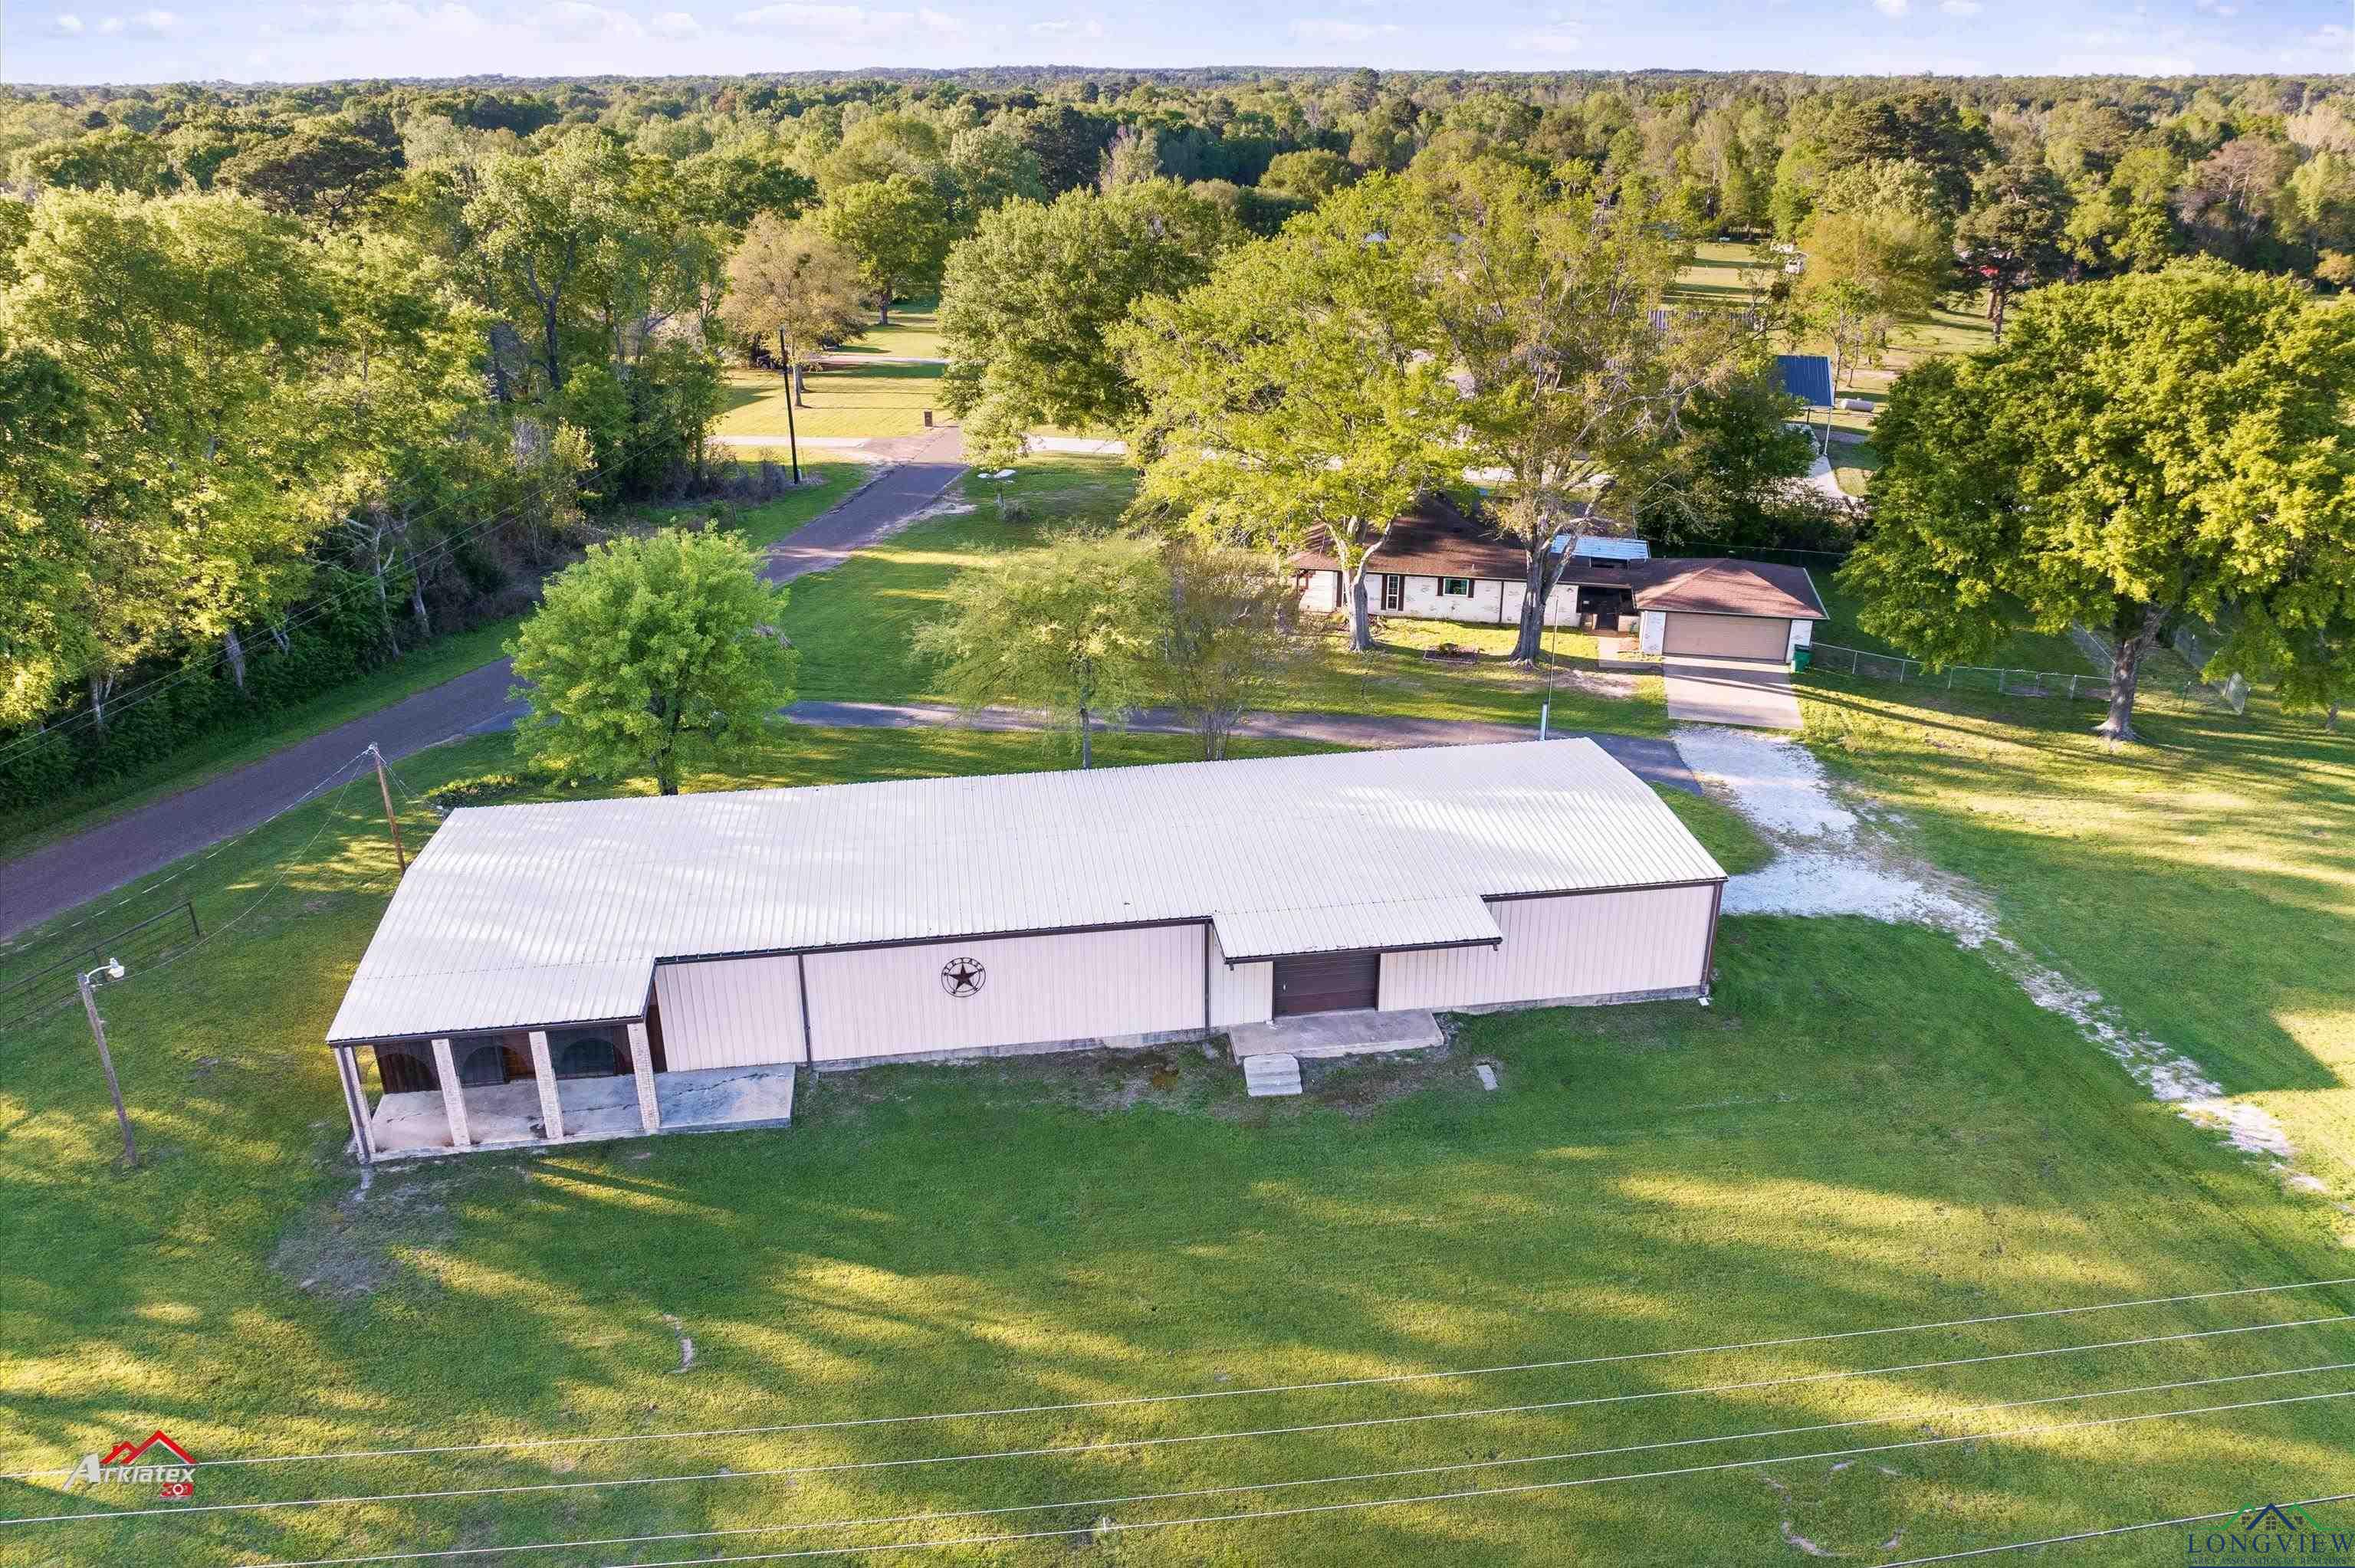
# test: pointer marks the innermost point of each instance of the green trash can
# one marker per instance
(1800, 655)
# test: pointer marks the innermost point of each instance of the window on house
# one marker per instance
(1455, 587)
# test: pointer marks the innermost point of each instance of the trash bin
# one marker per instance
(1800, 655)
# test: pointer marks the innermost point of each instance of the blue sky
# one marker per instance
(153, 40)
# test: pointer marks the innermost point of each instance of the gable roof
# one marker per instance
(531, 915)
(1715, 587)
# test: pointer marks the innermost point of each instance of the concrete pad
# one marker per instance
(507, 1116)
(1271, 1074)
(1745, 692)
(1487, 1075)
(1318, 1035)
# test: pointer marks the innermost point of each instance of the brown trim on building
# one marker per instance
(1407, 947)
(1709, 953)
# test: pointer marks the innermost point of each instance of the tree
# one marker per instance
(1227, 636)
(1307, 176)
(2139, 449)
(2012, 236)
(1028, 301)
(1864, 272)
(1296, 393)
(1547, 307)
(1067, 628)
(650, 655)
(729, 190)
(896, 230)
(322, 170)
(542, 220)
(991, 167)
(1726, 477)
(790, 279)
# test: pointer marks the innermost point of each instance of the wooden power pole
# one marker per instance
(384, 788)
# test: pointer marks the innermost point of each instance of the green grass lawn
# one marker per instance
(871, 400)
(914, 332)
(852, 625)
(1870, 1128)
(2203, 882)
(823, 485)
(1854, 464)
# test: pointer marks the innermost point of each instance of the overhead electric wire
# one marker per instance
(1104, 1528)
(516, 1444)
(1117, 1445)
(1280, 1486)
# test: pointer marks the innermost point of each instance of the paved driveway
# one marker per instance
(43, 882)
(1745, 692)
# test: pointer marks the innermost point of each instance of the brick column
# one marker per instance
(551, 1109)
(642, 1064)
(453, 1098)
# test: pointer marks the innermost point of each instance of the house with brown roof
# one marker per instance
(1438, 564)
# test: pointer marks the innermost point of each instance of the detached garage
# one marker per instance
(549, 973)
(1727, 610)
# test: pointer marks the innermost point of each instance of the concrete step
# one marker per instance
(1271, 1074)
(1324, 1034)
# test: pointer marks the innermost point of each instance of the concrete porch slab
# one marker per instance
(507, 1116)
(1317, 1035)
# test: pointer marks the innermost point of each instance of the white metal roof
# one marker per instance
(522, 916)
(1608, 547)
(1460, 921)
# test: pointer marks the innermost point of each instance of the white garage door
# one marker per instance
(1728, 636)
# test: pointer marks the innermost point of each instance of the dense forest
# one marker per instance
(294, 378)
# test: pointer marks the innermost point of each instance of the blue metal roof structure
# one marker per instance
(1806, 376)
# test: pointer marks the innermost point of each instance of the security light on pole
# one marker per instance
(109, 971)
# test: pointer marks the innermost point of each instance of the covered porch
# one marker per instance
(501, 1091)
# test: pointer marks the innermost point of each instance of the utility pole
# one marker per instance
(793, 390)
(112, 970)
(384, 788)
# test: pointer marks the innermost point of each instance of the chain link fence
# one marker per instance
(2075, 687)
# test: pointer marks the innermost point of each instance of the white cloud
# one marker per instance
(850, 23)
(155, 23)
(67, 26)
(1089, 29)
(1960, 7)
(674, 25)
(2217, 7)
(579, 20)
(110, 25)
(1329, 30)
(1892, 7)
(455, 21)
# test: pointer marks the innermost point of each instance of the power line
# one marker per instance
(1281, 1486)
(2097, 1534)
(518, 1445)
(1127, 1444)
(433, 555)
(147, 888)
(1111, 1527)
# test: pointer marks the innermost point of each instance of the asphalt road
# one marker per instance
(59, 876)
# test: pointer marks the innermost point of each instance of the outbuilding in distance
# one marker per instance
(559, 972)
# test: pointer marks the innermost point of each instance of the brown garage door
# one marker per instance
(1328, 982)
(1728, 636)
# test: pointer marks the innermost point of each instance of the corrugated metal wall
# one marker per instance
(1596, 944)
(881, 1001)
(1244, 994)
(730, 1012)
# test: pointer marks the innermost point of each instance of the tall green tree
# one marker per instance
(1228, 635)
(793, 281)
(2139, 449)
(545, 221)
(650, 656)
(1029, 300)
(2013, 237)
(897, 229)
(1066, 630)
(1298, 392)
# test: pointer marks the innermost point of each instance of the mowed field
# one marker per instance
(1872, 1128)
(875, 397)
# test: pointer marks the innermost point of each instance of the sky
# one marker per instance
(309, 40)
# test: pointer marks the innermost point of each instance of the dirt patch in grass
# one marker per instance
(345, 1249)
